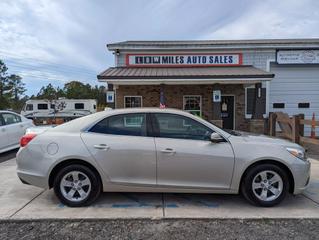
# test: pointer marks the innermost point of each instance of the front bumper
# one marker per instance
(301, 174)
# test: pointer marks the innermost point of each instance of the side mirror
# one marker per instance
(216, 138)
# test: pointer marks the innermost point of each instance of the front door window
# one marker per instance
(10, 118)
(177, 126)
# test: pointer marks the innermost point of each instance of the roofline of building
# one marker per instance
(199, 81)
(215, 44)
(270, 76)
(109, 73)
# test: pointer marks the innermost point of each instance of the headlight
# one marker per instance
(297, 153)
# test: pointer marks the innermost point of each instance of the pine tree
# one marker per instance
(16, 89)
(4, 102)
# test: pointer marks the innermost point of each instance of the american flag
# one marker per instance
(162, 99)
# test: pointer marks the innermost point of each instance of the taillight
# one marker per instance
(26, 139)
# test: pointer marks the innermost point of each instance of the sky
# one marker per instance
(56, 41)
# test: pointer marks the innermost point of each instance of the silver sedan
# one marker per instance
(12, 127)
(159, 150)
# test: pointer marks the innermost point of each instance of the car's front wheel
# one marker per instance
(77, 185)
(265, 185)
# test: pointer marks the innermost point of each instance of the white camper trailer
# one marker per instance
(62, 108)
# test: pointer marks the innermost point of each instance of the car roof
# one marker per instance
(146, 109)
(82, 123)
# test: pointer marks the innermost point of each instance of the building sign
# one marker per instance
(217, 96)
(110, 96)
(187, 59)
(297, 56)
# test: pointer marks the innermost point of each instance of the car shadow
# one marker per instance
(8, 155)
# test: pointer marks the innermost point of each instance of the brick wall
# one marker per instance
(174, 98)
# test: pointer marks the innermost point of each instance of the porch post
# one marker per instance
(216, 116)
(162, 97)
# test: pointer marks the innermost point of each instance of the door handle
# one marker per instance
(168, 150)
(101, 147)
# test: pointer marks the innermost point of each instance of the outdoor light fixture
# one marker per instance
(117, 52)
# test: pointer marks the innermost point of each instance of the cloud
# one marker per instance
(17, 34)
(273, 19)
(65, 40)
(41, 29)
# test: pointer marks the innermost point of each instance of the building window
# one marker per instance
(278, 105)
(42, 106)
(132, 101)
(79, 105)
(303, 105)
(250, 95)
(193, 105)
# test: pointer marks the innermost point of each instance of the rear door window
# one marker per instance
(133, 124)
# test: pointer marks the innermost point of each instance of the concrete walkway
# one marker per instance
(19, 201)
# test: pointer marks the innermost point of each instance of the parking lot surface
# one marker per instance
(20, 201)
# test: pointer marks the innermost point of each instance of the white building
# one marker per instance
(286, 69)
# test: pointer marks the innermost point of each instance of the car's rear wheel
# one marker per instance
(265, 185)
(77, 185)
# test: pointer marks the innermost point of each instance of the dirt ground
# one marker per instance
(161, 229)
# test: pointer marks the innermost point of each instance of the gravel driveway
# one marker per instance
(161, 229)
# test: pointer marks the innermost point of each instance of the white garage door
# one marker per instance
(294, 90)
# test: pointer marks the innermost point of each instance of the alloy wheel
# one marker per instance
(75, 186)
(267, 185)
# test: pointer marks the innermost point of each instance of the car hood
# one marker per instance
(260, 138)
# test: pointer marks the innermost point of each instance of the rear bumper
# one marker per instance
(24, 182)
(32, 179)
(32, 169)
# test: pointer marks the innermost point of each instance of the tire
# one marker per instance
(77, 185)
(265, 194)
